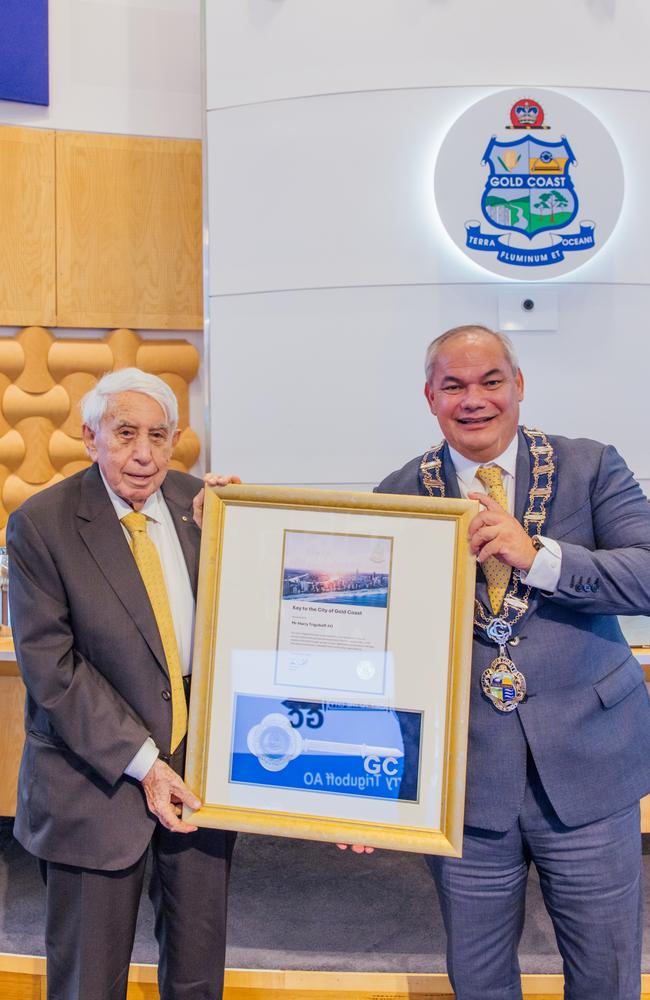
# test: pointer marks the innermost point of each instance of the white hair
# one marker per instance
(434, 348)
(95, 403)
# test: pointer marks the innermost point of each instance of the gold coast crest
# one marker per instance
(528, 192)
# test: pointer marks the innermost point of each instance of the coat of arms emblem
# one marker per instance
(519, 184)
(529, 191)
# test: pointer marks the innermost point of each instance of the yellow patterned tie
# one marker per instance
(147, 560)
(497, 573)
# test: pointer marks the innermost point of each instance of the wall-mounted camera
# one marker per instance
(527, 308)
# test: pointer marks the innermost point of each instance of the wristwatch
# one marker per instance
(537, 542)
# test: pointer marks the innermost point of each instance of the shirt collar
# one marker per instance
(466, 467)
(150, 508)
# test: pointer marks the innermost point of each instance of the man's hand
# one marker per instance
(166, 792)
(356, 848)
(210, 479)
(495, 532)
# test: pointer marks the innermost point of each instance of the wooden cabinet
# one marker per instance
(129, 224)
(100, 231)
(27, 227)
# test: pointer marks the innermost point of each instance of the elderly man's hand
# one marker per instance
(356, 848)
(210, 479)
(166, 792)
(495, 532)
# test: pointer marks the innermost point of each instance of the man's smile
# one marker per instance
(468, 421)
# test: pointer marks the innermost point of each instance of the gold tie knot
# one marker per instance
(135, 521)
(492, 479)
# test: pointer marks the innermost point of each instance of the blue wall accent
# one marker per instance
(24, 51)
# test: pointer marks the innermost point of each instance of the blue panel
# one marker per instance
(326, 747)
(24, 51)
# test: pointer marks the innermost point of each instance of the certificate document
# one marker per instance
(332, 660)
(333, 611)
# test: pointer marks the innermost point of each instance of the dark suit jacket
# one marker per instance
(93, 664)
(587, 715)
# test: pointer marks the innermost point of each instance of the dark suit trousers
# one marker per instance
(91, 918)
(590, 878)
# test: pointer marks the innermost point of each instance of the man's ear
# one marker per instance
(88, 436)
(519, 381)
(175, 436)
(430, 398)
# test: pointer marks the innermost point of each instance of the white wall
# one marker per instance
(329, 272)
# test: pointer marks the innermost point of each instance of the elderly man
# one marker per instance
(559, 728)
(103, 570)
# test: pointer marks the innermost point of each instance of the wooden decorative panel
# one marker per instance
(129, 225)
(27, 222)
(12, 735)
(42, 380)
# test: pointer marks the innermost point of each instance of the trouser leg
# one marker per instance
(590, 878)
(482, 898)
(189, 890)
(90, 921)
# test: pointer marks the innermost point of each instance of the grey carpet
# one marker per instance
(301, 905)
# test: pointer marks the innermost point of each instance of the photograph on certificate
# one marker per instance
(333, 611)
(330, 747)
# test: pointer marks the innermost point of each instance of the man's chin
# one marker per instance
(481, 441)
(137, 492)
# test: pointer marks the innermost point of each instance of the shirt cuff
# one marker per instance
(143, 761)
(544, 574)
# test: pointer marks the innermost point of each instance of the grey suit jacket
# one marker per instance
(586, 719)
(92, 660)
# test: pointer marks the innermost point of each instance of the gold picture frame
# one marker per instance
(300, 723)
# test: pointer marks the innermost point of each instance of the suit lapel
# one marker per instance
(522, 487)
(104, 538)
(449, 476)
(522, 477)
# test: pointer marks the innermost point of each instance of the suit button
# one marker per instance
(166, 695)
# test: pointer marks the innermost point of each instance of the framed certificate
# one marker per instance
(331, 667)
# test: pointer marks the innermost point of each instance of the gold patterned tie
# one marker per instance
(497, 573)
(147, 560)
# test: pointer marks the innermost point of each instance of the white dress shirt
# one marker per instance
(161, 531)
(544, 574)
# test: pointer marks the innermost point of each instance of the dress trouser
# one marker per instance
(91, 917)
(590, 877)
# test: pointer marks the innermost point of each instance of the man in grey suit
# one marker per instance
(107, 679)
(559, 726)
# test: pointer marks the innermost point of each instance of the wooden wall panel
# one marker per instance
(27, 221)
(42, 379)
(129, 224)
(12, 734)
